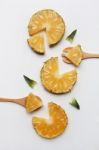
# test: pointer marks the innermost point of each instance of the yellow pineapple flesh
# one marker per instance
(33, 102)
(49, 21)
(55, 125)
(74, 54)
(53, 81)
(36, 42)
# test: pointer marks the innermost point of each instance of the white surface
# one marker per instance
(16, 59)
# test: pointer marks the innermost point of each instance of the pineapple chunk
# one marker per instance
(74, 54)
(36, 42)
(33, 102)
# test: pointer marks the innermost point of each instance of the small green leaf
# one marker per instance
(71, 36)
(29, 81)
(74, 103)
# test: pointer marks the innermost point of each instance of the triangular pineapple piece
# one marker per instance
(33, 102)
(55, 125)
(53, 81)
(74, 54)
(36, 42)
(51, 22)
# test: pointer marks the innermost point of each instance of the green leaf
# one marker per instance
(71, 36)
(74, 103)
(29, 81)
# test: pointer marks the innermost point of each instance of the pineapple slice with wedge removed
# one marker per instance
(74, 54)
(55, 125)
(53, 81)
(36, 42)
(33, 102)
(49, 21)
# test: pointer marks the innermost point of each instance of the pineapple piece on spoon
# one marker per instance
(74, 55)
(30, 102)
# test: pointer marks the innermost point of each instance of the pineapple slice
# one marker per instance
(49, 21)
(54, 82)
(33, 102)
(74, 54)
(55, 125)
(36, 42)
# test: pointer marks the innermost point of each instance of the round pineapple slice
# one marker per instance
(74, 54)
(54, 82)
(56, 124)
(51, 22)
(33, 102)
(36, 42)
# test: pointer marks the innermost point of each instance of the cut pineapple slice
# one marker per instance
(33, 102)
(54, 82)
(36, 42)
(55, 125)
(51, 22)
(74, 54)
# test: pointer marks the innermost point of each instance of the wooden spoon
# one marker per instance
(30, 102)
(20, 101)
(84, 56)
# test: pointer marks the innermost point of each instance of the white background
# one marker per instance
(16, 59)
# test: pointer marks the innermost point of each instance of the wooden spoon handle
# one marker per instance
(88, 55)
(17, 101)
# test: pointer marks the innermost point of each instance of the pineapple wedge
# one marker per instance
(53, 81)
(74, 54)
(55, 125)
(36, 42)
(33, 102)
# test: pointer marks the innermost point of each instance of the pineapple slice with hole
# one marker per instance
(55, 125)
(33, 102)
(53, 81)
(50, 21)
(74, 54)
(36, 42)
